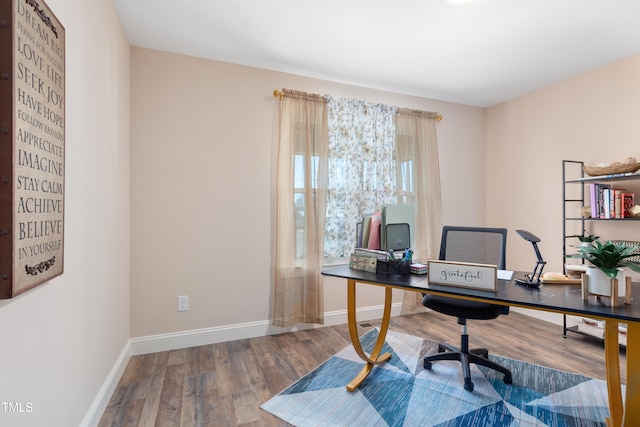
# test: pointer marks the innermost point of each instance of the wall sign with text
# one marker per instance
(32, 145)
(464, 275)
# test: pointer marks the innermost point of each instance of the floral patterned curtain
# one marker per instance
(337, 160)
(361, 168)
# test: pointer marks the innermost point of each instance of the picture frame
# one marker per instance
(32, 146)
(464, 275)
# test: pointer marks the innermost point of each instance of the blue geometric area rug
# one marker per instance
(401, 392)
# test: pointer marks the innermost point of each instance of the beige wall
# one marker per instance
(592, 118)
(60, 341)
(202, 141)
(203, 137)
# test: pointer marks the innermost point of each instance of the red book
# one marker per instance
(627, 200)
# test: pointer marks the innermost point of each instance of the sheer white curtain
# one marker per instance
(339, 159)
(418, 175)
(361, 168)
(301, 171)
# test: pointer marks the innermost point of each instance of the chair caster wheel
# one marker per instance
(508, 379)
(468, 385)
(427, 365)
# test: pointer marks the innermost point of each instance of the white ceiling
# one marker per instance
(478, 54)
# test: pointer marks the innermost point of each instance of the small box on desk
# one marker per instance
(363, 263)
(418, 268)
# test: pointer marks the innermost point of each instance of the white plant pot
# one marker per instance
(600, 283)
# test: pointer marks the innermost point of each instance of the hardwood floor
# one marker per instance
(224, 384)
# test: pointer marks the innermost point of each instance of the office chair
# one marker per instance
(474, 245)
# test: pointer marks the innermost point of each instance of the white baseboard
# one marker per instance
(183, 339)
(99, 404)
(205, 336)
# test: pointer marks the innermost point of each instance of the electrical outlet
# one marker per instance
(183, 303)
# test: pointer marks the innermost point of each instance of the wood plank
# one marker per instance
(193, 409)
(225, 383)
(170, 405)
(152, 401)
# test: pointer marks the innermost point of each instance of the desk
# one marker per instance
(559, 299)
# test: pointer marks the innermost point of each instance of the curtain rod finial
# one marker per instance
(439, 117)
(277, 93)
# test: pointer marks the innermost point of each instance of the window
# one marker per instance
(405, 173)
(299, 195)
(339, 159)
(361, 169)
(369, 166)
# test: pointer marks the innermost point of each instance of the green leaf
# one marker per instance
(608, 256)
(610, 272)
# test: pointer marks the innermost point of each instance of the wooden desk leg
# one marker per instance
(375, 358)
(612, 360)
(632, 397)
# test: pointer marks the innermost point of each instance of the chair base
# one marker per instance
(479, 356)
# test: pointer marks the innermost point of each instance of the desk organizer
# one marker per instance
(396, 267)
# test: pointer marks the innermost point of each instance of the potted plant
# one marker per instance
(587, 238)
(608, 259)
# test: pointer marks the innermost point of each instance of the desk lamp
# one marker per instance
(533, 279)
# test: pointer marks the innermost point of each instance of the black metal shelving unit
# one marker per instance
(569, 166)
(574, 201)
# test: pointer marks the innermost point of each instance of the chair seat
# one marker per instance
(465, 309)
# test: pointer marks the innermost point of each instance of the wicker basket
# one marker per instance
(614, 168)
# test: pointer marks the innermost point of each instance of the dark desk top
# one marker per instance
(561, 298)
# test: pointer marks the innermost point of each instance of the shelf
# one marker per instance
(575, 330)
(601, 219)
(571, 197)
(616, 177)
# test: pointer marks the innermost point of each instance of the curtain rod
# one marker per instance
(279, 94)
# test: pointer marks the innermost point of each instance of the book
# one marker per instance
(627, 202)
(593, 193)
(612, 203)
(602, 200)
(606, 204)
(374, 231)
(359, 229)
(617, 205)
(366, 226)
